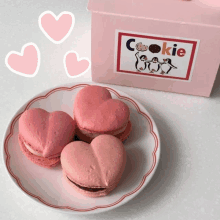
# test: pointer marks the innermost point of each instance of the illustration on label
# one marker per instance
(156, 56)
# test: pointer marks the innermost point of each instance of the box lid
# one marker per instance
(205, 12)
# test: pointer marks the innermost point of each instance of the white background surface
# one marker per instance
(187, 182)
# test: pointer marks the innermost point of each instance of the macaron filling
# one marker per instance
(41, 161)
(95, 189)
(93, 134)
(35, 152)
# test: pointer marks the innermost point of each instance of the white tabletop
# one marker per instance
(186, 184)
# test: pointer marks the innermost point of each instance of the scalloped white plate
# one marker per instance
(47, 187)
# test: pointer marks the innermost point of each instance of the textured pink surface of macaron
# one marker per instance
(94, 169)
(46, 133)
(96, 112)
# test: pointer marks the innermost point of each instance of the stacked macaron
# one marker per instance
(93, 168)
(43, 135)
(97, 113)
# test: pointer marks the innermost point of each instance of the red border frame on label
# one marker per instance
(194, 43)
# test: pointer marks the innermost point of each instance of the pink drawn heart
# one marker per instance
(75, 66)
(56, 28)
(25, 63)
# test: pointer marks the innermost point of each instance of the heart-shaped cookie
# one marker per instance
(43, 135)
(94, 169)
(97, 113)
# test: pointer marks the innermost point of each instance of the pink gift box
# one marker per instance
(168, 45)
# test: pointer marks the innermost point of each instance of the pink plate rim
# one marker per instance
(15, 119)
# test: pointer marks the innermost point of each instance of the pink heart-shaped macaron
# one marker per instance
(44, 135)
(97, 113)
(94, 169)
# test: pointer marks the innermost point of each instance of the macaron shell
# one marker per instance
(46, 132)
(40, 161)
(122, 136)
(80, 164)
(95, 110)
(99, 164)
(111, 156)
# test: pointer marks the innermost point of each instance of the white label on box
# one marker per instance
(154, 55)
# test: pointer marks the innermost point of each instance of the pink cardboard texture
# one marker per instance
(170, 23)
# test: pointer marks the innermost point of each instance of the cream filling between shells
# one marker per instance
(95, 189)
(93, 135)
(36, 152)
(32, 151)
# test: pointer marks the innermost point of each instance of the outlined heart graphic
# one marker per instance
(56, 28)
(26, 63)
(74, 66)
